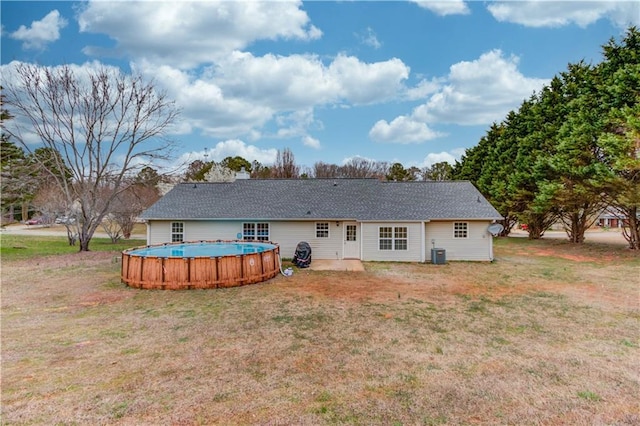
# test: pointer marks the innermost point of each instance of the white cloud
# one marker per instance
(244, 93)
(231, 148)
(348, 160)
(363, 83)
(284, 82)
(298, 81)
(195, 51)
(561, 13)
(204, 104)
(369, 38)
(424, 88)
(444, 7)
(475, 92)
(438, 157)
(479, 92)
(235, 147)
(41, 32)
(402, 130)
(188, 34)
(310, 142)
(296, 123)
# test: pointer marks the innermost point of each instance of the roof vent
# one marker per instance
(335, 183)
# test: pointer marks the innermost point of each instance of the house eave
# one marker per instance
(315, 219)
(254, 219)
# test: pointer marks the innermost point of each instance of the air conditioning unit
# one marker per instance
(438, 256)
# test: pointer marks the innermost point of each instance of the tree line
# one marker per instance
(570, 151)
(285, 167)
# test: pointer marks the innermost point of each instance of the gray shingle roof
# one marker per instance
(296, 199)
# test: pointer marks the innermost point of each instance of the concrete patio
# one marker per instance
(336, 265)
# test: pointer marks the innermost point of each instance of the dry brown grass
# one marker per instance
(547, 334)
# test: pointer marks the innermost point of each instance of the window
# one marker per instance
(262, 231)
(322, 230)
(400, 238)
(177, 232)
(248, 231)
(392, 238)
(460, 230)
(386, 238)
(255, 231)
(351, 232)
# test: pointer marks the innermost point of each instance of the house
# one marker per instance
(365, 219)
(611, 218)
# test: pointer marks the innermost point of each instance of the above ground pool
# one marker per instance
(200, 264)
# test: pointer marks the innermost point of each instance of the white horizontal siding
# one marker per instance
(160, 231)
(371, 247)
(478, 246)
(289, 234)
(286, 234)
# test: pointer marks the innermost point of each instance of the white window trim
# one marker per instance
(256, 236)
(393, 238)
(466, 230)
(328, 230)
(405, 239)
(173, 233)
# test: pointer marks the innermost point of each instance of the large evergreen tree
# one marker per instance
(569, 151)
(620, 142)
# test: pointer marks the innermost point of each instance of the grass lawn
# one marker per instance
(29, 247)
(547, 334)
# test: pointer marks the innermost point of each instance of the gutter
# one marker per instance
(423, 238)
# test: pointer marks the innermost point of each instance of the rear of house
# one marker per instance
(363, 219)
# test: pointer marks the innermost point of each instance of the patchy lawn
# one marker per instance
(547, 334)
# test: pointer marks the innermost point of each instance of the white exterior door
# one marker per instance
(351, 241)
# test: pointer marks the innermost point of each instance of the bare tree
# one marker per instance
(356, 167)
(285, 166)
(106, 126)
(125, 209)
(359, 167)
(324, 170)
(258, 171)
(53, 204)
(50, 202)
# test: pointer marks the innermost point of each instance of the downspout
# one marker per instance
(490, 246)
(423, 244)
(146, 222)
(361, 239)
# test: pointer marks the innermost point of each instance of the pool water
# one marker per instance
(203, 249)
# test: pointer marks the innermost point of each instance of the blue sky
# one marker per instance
(409, 82)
